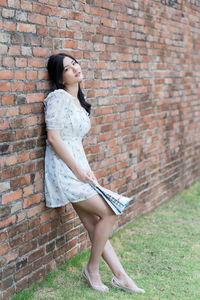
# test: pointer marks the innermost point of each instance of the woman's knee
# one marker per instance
(111, 218)
(96, 206)
(91, 224)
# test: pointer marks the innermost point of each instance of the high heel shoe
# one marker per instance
(116, 283)
(100, 288)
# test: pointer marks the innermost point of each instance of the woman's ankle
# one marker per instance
(121, 275)
(92, 269)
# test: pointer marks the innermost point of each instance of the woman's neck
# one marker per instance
(73, 90)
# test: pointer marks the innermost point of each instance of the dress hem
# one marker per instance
(95, 193)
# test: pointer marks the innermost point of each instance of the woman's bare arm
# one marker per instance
(61, 150)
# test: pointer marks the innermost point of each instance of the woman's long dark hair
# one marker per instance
(55, 69)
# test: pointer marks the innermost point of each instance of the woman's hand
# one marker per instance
(85, 176)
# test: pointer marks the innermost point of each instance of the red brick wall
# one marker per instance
(141, 61)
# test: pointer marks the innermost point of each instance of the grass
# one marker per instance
(160, 251)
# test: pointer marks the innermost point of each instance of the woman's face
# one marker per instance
(72, 72)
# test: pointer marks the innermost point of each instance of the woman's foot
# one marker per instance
(94, 281)
(124, 282)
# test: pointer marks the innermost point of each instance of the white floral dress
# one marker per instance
(61, 185)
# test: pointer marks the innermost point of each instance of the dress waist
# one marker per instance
(69, 139)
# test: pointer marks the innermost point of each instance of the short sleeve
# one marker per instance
(55, 109)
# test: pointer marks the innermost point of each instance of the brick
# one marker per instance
(29, 167)
(21, 216)
(35, 210)
(42, 31)
(24, 110)
(4, 186)
(49, 267)
(36, 63)
(22, 285)
(8, 62)
(3, 237)
(27, 247)
(30, 235)
(17, 86)
(36, 255)
(37, 108)
(68, 216)
(7, 222)
(5, 284)
(19, 75)
(41, 52)
(20, 181)
(17, 229)
(36, 97)
(34, 222)
(6, 198)
(14, 3)
(45, 228)
(29, 87)
(44, 239)
(9, 26)
(15, 208)
(12, 256)
(7, 99)
(5, 87)
(11, 172)
(3, 49)
(24, 133)
(22, 157)
(46, 216)
(22, 27)
(14, 51)
(21, 16)
(16, 38)
(6, 137)
(37, 19)
(8, 293)
(50, 247)
(42, 86)
(8, 13)
(42, 9)
(70, 44)
(8, 271)
(4, 212)
(26, 51)
(36, 198)
(26, 5)
(37, 275)
(24, 272)
(10, 160)
(3, 3)
(31, 75)
(33, 40)
(21, 62)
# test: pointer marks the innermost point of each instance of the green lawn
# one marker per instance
(160, 251)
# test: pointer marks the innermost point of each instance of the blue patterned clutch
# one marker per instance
(115, 201)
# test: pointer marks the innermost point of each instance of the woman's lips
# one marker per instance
(78, 74)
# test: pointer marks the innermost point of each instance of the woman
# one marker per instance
(68, 174)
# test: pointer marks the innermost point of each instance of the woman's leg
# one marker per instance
(89, 221)
(97, 206)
